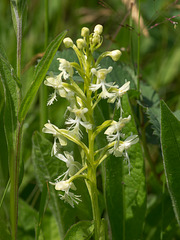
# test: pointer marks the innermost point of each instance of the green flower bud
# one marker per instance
(85, 32)
(81, 43)
(68, 42)
(98, 29)
(96, 39)
(115, 55)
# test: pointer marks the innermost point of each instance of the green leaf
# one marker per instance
(40, 73)
(21, 5)
(4, 171)
(49, 227)
(114, 193)
(151, 102)
(47, 168)
(11, 101)
(9, 79)
(126, 194)
(18, 13)
(159, 218)
(170, 144)
(80, 231)
(15, 15)
(5, 235)
(167, 74)
(42, 209)
(27, 216)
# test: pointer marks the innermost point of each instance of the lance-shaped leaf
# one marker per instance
(11, 90)
(9, 79)
(170, 144)
(12, 96)
(40, 73)
(80, 231)
(125, 193)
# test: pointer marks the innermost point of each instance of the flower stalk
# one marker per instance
(80, 119)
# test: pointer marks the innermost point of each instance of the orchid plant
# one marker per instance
(80, 118)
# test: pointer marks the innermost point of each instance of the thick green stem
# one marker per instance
(14, 176)
(92, 187)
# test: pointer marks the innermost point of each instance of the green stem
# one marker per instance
(92, 187)
(14, 176)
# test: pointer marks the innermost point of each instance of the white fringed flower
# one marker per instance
(113, 132)
(101, 83)
(56, 83)
(66, 68)
(118, 152)
(121, 149)
(80, 119)
(117, 93)
(73, 166)
(62, 185)
(52, 129)
(70, 198)
(67, 196)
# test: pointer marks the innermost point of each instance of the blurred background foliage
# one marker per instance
(159, 67)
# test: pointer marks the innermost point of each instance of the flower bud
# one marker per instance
(98, 29)
(84, 32)
(115, 55)
(81, 43)
(96, 39)
(68, 42)
(63, 185)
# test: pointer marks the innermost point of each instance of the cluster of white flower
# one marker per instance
(82, 104)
